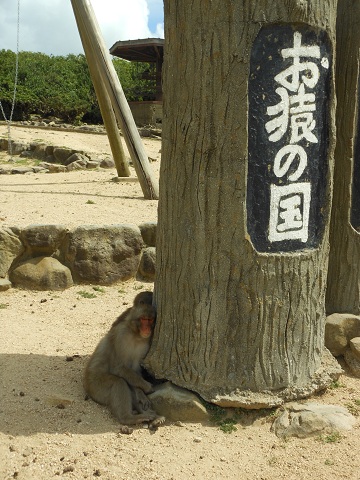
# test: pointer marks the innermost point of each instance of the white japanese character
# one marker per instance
(302, 126)
(289, 212)
(291, 153)
(290, 77)
(278, 126)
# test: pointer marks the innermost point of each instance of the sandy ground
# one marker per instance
(47, 428)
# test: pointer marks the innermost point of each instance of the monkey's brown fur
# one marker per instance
(113, 373)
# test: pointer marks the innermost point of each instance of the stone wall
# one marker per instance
(53, 257)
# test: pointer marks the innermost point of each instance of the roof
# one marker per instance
(144, 50)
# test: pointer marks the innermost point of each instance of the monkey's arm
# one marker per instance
(132, 378)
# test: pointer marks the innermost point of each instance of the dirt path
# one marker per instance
(48, 430)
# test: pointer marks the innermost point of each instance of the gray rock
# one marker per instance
(61, 154)
(104, 254)
(41, 273)
(355, 347)
(107, 163)
(26, 154)
(340, 328)
(76, 157)
(147, 264)
(75, 166)
(18, 147)
(4, 284)
(306, 420)
(92, 164)
(11, 247)
(39, 169)
(352, 362)
(21, 170)
(148, 232)
(39, 151)
(43, 239)
(53, 168)
(50, 159)
(4, 143)
(178, 404)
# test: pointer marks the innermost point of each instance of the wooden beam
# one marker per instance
(87, 24)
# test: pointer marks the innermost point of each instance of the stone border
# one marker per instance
(53, 257)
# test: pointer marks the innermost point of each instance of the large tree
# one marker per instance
(242, 245)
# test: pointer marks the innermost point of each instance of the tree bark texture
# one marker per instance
(343, 293)
(232, 322)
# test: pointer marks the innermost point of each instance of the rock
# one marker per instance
(340, 328)
(147, 264)
(148, 233)
(43, 239)
(309, 419)
(104, 254)
(21, 170)
(11, 247)
(53, 168)
(4, 284)
(92, 164)
(75, 166)
(352, 362)
(18, 147)
(26, 154)
(177, 404)
(39, 169)
(107, 163)
(41, 273)
(76, 157)
(61, 154)
(39, 151)
(355, 347)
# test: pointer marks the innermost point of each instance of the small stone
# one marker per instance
(355, 347)
(68, 469)
(197, 439)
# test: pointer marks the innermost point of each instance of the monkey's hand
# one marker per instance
(143, 403)
(147, 387)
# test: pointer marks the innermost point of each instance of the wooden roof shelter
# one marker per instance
(150, 50)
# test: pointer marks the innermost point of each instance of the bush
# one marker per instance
(61, 85)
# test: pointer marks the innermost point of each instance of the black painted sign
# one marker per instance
(289, 88)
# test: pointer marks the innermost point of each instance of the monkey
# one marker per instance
(113, 374)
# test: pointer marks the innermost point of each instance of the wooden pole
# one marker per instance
(87, 24)
(106, 109)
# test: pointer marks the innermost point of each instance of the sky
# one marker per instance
(48, 26)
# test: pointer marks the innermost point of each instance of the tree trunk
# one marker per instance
(343, 294)
(240, 302)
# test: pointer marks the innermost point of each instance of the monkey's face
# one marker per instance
(146, 327)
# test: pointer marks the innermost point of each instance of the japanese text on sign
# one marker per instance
(293, 116)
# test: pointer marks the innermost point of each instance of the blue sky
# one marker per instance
(48, 26)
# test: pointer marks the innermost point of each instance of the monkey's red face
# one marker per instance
(146, 327)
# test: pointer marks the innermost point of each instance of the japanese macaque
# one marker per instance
(113, 373)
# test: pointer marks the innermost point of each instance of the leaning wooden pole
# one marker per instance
(106, 108)
(87, 24)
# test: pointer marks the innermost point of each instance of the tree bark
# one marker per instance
(343, 293)
(237, 325)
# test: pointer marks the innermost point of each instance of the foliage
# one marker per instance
(61, 86)
(85, 294)
(333, 437)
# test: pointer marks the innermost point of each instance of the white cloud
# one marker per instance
(49, 26)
